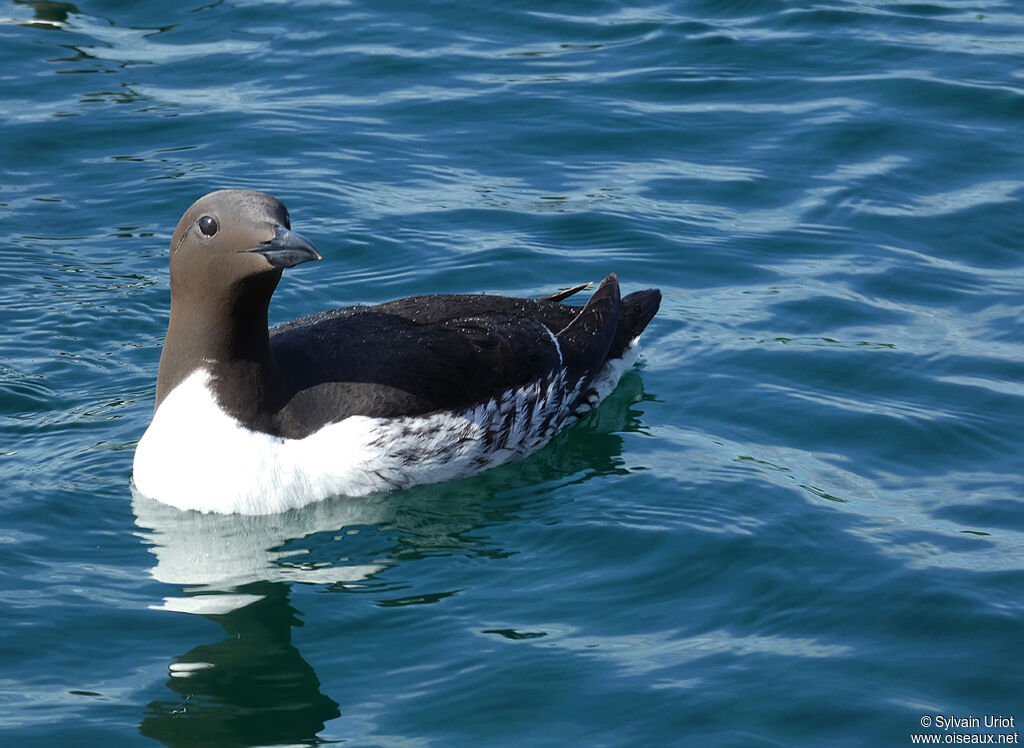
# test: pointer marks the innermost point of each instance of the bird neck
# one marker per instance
(229, 339)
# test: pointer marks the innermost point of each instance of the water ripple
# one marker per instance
(810, 488)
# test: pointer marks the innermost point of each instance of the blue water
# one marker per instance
(798, 523)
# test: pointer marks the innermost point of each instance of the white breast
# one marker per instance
(194, 456)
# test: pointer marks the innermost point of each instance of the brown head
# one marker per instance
(226, 258)
(232, 237)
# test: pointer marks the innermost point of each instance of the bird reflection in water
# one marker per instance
(251, 688)
(254, 687)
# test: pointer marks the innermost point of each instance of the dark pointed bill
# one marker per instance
(287, 249)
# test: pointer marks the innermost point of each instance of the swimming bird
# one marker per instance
(361, 399)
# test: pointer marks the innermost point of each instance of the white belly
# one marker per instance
(194, 456)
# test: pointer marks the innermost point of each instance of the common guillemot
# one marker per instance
(361, 399)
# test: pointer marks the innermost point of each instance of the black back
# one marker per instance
(441, 352)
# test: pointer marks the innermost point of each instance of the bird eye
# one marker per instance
(208, 225)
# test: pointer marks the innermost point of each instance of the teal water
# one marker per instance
(798, 523)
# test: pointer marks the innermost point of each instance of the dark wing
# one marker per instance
(427, 353)
(409, 357)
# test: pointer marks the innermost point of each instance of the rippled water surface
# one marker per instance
(798, 523)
